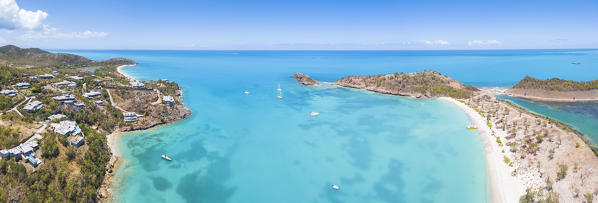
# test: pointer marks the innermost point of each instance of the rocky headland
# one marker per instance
(555, 89)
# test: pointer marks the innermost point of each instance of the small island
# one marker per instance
(304, 79)
(555, 89)
(60, 117)
(427, 84)
(529, 157)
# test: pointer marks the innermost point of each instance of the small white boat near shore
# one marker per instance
(336, 187)
(313, 113)
(166, 157)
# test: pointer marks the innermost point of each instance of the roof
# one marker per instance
(130, 114)
(64, 97)
(32, 105)
(23, 84)
(46, 76)
(66, 128)
(92, 94)
(56, 116)
(65, 82)
(167, 98)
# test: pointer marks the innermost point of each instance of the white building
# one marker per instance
(130, 116)
(92, 95)
(46, 76)
(137, 84)
(76, 78)
(56, 116)
(33, 78)
(10, 93)
(32, 106)
(66, 128)
(65, 83)
(77, 141)
(168, 100)
(65, 98)
(23, 85)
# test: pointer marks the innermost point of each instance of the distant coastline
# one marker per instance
(554, 96)
(555, 89)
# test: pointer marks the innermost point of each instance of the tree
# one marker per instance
(49, 146)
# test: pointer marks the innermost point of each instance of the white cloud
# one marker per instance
(482, 43)
(12, 17)
(50, 32)
(435, 42)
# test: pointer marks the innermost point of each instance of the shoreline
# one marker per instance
(119, 71)
(501, 185)
(545, 99)
(105, 190)
(113, 164)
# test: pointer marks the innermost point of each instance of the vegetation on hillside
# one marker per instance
(33, 57)
(427, 84)
(555, 84)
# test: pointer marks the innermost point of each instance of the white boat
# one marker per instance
(336, 187)
(279, 96)
(313, 113)
(166, 157)
(279, 89)
(472, 127)
(246, 92)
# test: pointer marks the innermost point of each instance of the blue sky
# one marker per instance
(305, 24)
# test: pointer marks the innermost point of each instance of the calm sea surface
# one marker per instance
(377, 148)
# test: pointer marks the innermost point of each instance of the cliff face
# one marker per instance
(555, 89)
(427, 84)
(304, 79)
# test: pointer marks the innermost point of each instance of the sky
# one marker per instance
(300, 24)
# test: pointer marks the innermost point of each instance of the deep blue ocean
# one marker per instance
(377, 148)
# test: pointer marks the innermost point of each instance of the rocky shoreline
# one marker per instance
(177, 112)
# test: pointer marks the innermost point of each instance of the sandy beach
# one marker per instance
(502, 186)
(115, 159)
(118, 69)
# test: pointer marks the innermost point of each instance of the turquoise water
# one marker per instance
(582, 116)
(377, 148)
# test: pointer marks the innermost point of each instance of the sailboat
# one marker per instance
(279, 89)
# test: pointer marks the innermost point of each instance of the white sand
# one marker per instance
(502, 186)
(124, 74)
